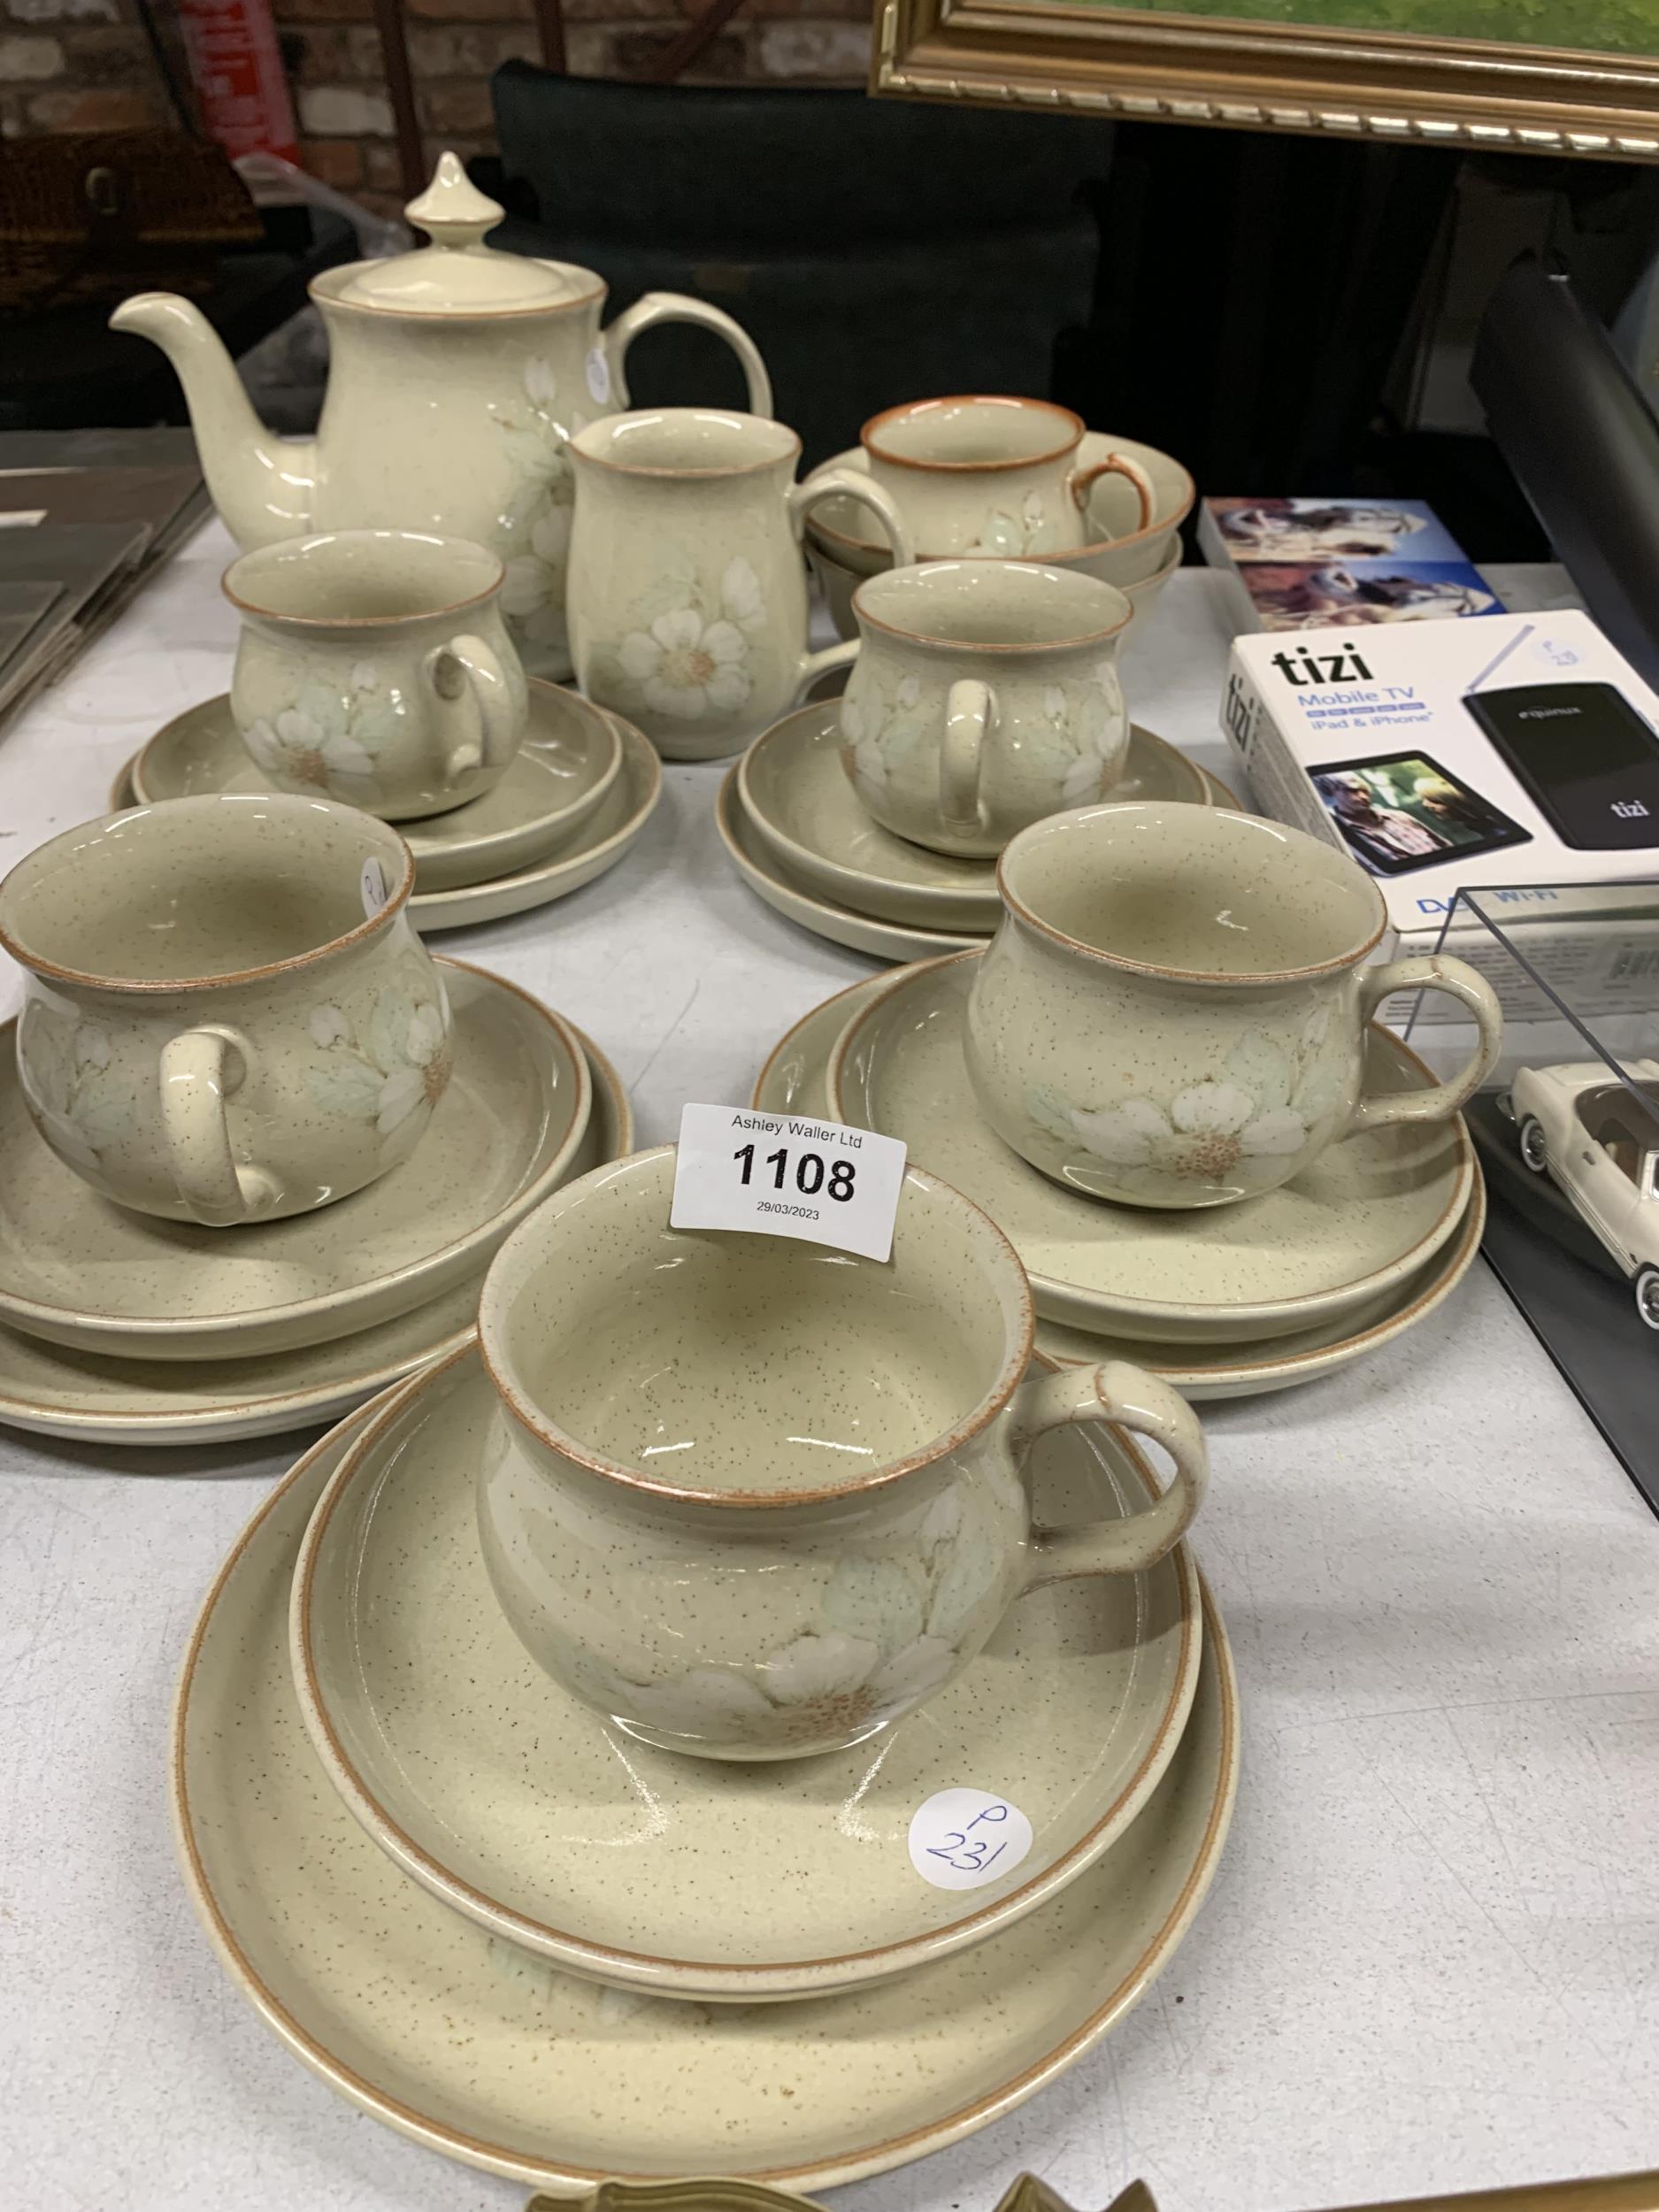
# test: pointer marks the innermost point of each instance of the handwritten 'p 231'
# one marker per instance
(970, 1854)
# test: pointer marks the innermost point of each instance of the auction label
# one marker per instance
(962, 1838)
(787, 1175)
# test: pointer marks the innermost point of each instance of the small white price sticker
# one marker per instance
(373, 888)
(598, 375)
(960, 1839)
(786, 1175)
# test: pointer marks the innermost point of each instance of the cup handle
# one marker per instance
(970, 716)
(1459, 980)
(1127, 1398)
(1115, 464)
(678, 307)
(802, 499)
(200, 1070)
(467, 666)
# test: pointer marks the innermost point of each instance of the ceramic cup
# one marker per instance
(985, 474)
(755, 1499)
(687, 598)
(1173, 1010)
(374, 667)
(984, 696)
(229, 1016)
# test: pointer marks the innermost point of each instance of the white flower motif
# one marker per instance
(400, 1066)
(532, 533)
(326, 742)
(1234, 1130)
(739, 594)
(72, 1084)
(881, 734)
(685, 666)
(540, 383)
(1009, 535)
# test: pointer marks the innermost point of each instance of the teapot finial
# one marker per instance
(452, 211)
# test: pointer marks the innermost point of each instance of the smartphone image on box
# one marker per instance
(1402, 811)
(1583, 755)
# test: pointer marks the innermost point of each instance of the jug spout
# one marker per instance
(262, 486)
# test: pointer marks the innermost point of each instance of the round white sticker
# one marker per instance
(373, 888)
(961, 1838)
(598, 375)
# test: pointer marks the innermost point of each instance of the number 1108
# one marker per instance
(808, 1172)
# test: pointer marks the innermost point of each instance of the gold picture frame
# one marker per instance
(1138, 63)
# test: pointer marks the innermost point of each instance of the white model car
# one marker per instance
(1600, 1143)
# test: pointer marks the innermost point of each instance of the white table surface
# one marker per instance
(1429, 1960)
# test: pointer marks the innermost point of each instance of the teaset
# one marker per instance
(710, 1617)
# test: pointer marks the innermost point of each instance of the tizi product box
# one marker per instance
(1520, 750)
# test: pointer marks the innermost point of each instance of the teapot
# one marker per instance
(457, 375)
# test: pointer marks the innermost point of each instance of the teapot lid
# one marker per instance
(458, 273)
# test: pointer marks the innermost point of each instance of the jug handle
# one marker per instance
(467, 664)
(1079, 483)
(845, 483)
(678, 307)
(200, 1069)
(1125, 1397)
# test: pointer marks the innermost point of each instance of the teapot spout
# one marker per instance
(262, 486)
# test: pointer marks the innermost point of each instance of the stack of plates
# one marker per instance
(494, 1921)
(579, 791)
(1224, 1301)
(121, 1327)
(797, 834)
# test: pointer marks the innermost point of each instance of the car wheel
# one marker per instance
(1647, 1296)
(1532, 1148)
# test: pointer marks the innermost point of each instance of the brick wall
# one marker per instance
(83, 65)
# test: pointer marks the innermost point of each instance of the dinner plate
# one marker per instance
(517, 1804)
(57, 1391)
(474, 2048)
(79, 1270)
(795, 794)
(561, 775)
(1368, 1213)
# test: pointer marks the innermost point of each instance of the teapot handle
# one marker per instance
(676, 307)
(467, 664)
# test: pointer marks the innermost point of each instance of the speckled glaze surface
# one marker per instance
(797, 796)
(1173, 1011)
(101, 1398)
(838, 583)
(563, 772)
(457, 376)
(988, 475)
(1364, 1216)
(1116, 549)
(228, 1017)
(984, 696)
(77, 1271)
(1201, 1373)
(688, 598)
(373, 668)
(444, 2033)
(516, 1804)
(841, 924)
(754, 1498)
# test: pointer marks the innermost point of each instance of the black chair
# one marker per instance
(875, 250)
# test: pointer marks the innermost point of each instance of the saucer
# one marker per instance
(841, 925)
(79, 1270)
(1367, 1214)
(59, 1391)
(796, 795)
(1200, 1371)
(513, 1802)
(609, 832)
(570, 760)
(474, 2047)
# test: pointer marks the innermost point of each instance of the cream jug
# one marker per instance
(457, 375)
(688, 598)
